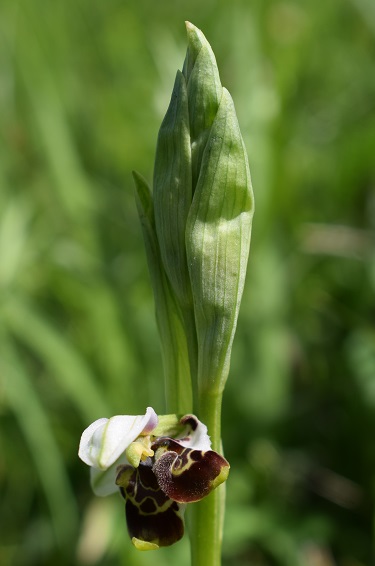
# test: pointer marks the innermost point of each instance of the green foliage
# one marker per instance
(84, 86)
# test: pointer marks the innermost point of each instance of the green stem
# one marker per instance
(206, 516)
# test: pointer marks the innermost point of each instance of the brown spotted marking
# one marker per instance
(186, 475)
(150, 514)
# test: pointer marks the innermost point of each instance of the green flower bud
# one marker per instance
(217, 241)
(203, 205)
(204, 93)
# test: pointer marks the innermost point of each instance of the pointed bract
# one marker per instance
(172, 190)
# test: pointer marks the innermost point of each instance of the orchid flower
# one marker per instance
(158, 464)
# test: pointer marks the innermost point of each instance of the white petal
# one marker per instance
(197, 439)
(85, 447)
(103, 482)
(103, 442)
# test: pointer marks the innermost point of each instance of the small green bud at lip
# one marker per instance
(144, 545)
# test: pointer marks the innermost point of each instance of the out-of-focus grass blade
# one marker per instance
(52, 125)
(13, 237)
(252, 524)
(65, 364)
(33, 421)
(115, 356)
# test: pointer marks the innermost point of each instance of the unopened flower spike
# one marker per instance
(200, 212)
(159, 464)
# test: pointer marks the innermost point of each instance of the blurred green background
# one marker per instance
(84, 85)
